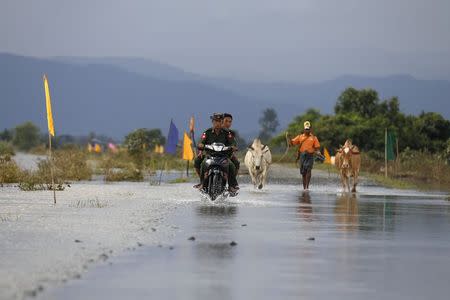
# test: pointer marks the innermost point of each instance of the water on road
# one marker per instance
(377, 244)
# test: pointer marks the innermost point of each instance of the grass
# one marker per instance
(69, 164)
(128, 174)
(9, 170)
(390, 182)
(413, 170)
(6, 149)
(180, 180)
(123, 167)
(119, 167)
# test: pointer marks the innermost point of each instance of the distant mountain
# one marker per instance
(107, 99)
(136, 65)
(116, 95)
(415, 95)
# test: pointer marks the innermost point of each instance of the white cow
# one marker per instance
(258, 159)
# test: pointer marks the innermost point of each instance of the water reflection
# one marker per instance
(217, 210)
(346, 212)
(378, 216)
(305, 209)
(212, 253)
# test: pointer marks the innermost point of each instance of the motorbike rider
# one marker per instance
(217, 134)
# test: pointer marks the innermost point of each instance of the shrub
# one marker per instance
(9, 170)
(68, 164)
(6, 149)
(26, 136)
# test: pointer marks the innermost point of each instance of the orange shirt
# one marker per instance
(307, 143)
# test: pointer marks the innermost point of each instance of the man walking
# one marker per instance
(308, 146)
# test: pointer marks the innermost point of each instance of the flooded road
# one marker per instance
(379, 244)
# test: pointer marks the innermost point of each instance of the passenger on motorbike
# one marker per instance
(227, 122)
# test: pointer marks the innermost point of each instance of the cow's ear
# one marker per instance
(263, 147)
(355, 149)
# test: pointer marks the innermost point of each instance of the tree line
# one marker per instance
(363, 117)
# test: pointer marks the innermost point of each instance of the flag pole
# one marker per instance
(385, 153)
(191, 131)
(161, 171)
(51, 166)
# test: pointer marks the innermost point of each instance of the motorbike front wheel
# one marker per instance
(214, 186)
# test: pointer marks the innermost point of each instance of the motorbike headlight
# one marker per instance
(208, 162)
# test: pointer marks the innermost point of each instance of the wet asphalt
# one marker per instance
(283, 243)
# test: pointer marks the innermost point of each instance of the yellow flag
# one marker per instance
(327, 156)
(48, 103)
(97, 148)
(188, 154)
(161, 149)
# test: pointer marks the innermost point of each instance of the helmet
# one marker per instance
(216, 117)
(307, 125)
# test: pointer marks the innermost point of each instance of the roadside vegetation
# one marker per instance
(423, 158)
(71, 160)
(423, 141)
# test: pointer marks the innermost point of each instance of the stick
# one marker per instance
(193, 137)
(51, 166)
(160, 173)
(187, 168)
(385, 153)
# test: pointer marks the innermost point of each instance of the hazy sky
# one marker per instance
(257, 39)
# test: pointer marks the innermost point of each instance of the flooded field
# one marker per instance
(283, 243)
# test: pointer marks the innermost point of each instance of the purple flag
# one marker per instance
(172, 139)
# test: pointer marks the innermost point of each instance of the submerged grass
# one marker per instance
(180, 180)
(90, 203)
(123, 167)
(8, 218)
(119, 167)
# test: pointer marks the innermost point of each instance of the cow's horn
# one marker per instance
(263, 147)
(250, 147)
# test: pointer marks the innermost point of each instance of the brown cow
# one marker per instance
(348, 162)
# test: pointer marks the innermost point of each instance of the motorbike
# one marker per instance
(216, 171)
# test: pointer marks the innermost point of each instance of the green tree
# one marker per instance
(364, 102)
(6, 135)
(269, 124)
(26, 136)
(362, 117)
(142, 140)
